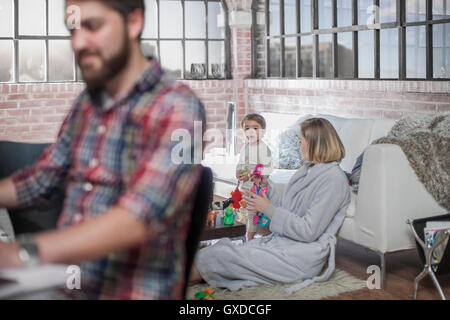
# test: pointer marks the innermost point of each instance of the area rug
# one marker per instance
(339, 282)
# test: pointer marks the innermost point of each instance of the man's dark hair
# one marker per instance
(125, 7)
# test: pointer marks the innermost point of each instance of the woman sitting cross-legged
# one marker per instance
(304, 223)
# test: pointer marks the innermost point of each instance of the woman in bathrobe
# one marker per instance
(304, 223)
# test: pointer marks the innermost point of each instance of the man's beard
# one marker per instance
(111, 66)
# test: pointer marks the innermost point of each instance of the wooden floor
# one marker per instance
(402, 267)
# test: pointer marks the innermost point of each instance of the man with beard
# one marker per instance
(127, 207)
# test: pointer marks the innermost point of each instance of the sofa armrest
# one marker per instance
(389, 193)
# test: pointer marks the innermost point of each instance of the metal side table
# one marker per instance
(428, 255)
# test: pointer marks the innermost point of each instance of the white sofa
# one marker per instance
(389, 190)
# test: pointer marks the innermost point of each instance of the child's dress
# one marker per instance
(250, 156)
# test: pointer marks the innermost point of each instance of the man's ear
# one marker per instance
(135, 23)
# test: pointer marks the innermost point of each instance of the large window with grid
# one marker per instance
(189, 37)
(358, 39)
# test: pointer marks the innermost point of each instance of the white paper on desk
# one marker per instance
(33, 279)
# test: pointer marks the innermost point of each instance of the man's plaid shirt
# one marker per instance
(112, 153)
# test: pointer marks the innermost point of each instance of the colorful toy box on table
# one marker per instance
(258, 189)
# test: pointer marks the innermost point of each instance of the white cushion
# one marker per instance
(355, 135)
(276, 123)
(280, 178)
(380, 129)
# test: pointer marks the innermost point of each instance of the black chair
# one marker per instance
(44, 215)
(203, 199)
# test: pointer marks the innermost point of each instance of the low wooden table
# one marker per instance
(221, 231)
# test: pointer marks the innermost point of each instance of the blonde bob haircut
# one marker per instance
(324, 144)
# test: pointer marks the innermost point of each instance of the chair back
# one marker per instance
(43, 216)
(203, 199)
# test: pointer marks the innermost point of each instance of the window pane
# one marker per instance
(60, 63)
(388, 11)
(6, 18)
(416, 52)
(326, 56)
(149, 48)
(171, 14)
(275, 57)
(441, 50)
(6, 61)
(151, 20)
(305, 15)
(290, 17)
(366, 55)
(441, 9)
(274, 17)
(216, 23)
(172, 57)
(31, 60)
(345, 54)
(306, 56)
(216, 58)
(56, 23)
(366, 12)
(290, 57)
(325, 14)
(389, 53)
(195, 19)
(415, 10)
(32, 11)
(344, 13)
(195, 60)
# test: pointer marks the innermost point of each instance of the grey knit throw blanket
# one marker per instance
(426, 143)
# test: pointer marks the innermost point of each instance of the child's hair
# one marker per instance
(255, 117)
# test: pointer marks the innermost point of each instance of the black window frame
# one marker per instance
(16, 38)
(183, 39)
(400, 24)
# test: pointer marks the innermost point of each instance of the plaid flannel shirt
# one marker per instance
(119, 153)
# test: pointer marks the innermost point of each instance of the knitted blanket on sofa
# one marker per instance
(426, 143)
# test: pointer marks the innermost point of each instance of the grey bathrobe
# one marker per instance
(304, 222)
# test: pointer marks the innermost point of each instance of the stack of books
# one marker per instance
(435, 232)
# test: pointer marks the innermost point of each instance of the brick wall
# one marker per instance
(348, 98)
(34, 112)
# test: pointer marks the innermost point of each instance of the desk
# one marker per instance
(6, 229)
(238, 230)
(33, 281)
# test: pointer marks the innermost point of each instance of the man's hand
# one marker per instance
(9, 256)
